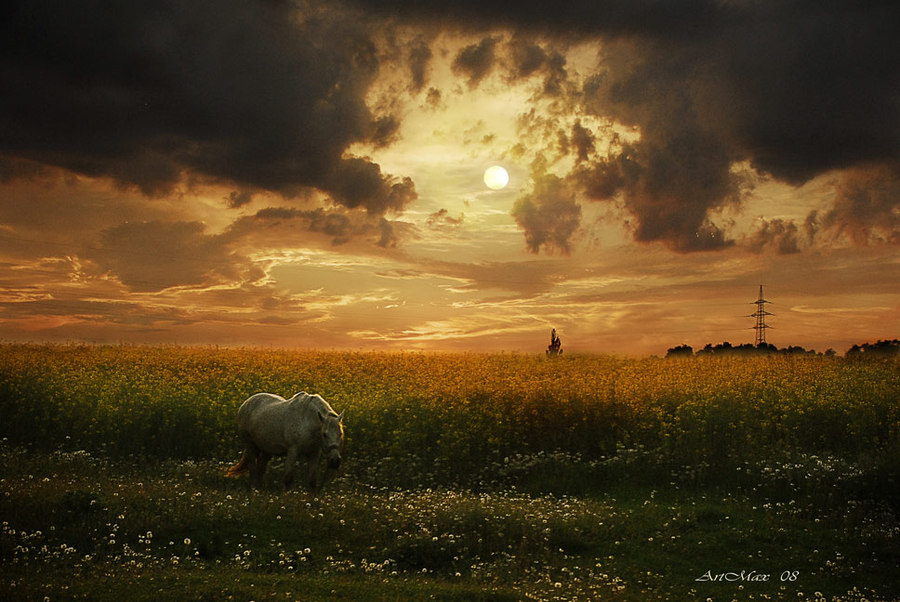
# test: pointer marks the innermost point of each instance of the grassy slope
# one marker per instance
(78, 525)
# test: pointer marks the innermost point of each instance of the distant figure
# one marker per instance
(555, 347)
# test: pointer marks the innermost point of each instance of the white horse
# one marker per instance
(303, 426)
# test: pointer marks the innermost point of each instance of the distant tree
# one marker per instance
(680, 351)
(745, 349)
(881, 349)
(796, 350)
(720, 349)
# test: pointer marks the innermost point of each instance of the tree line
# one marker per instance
(881, 349)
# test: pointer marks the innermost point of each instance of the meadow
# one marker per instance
(466, 476)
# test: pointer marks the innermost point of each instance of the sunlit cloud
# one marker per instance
(806, 309)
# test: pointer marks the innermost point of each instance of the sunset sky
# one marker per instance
(310, 174)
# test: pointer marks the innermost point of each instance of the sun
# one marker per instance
(495, 177)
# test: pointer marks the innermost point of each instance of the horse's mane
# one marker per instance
(315, 402)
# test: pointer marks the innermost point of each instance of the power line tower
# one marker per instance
(760, 315)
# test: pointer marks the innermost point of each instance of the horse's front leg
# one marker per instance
(290, 461)
(312, 467)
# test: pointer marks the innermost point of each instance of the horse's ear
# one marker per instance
(341, 417)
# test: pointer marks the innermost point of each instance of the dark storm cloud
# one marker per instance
(419, 58)
(582, 141)
(549, 215)
(867, 206)
(385, 130)
(866, 211)
(475, 61)
(270, 95)
(237, 199)
(670, 181)
(794, 88)
(280, 225)
(338, 226)
(54, 216)
(262, 94)
(680, 169)
(804, 91)
(15, 169)
(528, 59)
(783, 236)
(358, 182)
(575, 18)
(156, 255)
(152, 256)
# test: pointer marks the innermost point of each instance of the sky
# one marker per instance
(309, 174)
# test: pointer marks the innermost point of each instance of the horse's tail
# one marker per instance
(241, 467)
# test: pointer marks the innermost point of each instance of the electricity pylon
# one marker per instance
(760, 315)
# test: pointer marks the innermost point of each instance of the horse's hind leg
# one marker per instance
(262, 460)
(258, 461)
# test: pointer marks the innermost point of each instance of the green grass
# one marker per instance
(78, 525)
(223, 583)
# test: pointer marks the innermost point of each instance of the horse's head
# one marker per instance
(332, 437)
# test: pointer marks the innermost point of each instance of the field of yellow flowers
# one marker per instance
(467, 476)
(465, 409)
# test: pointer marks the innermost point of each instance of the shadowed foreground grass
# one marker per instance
(79, 526)
(206, 583)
